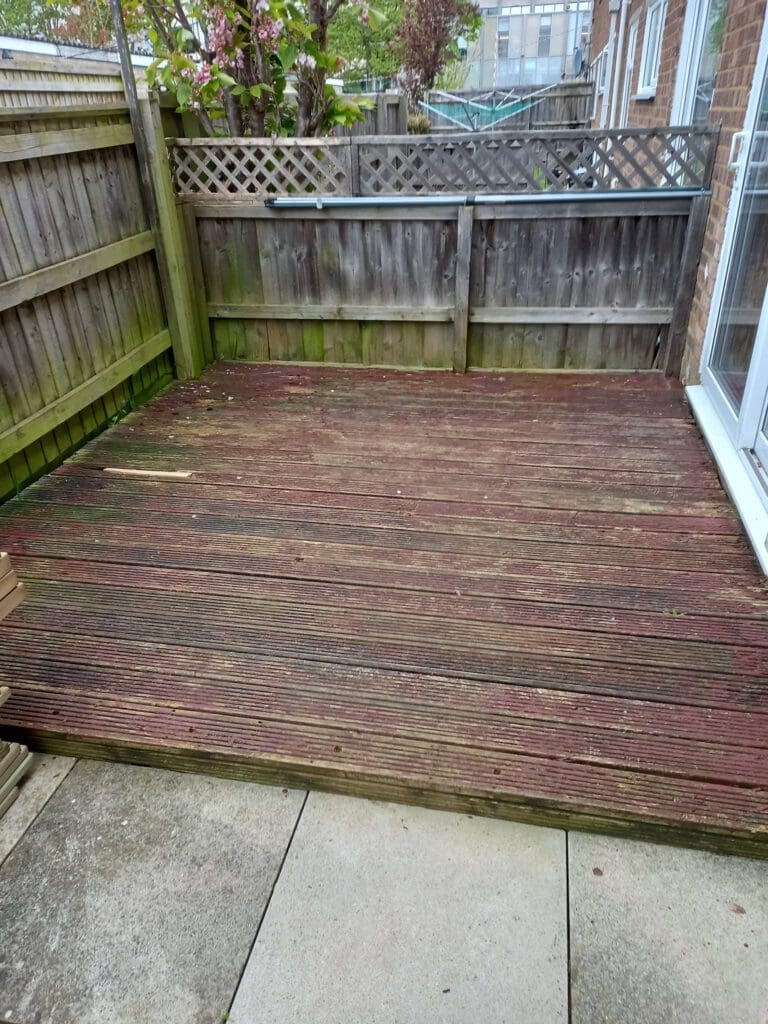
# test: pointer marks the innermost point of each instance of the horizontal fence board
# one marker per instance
(568, 315)
(56, 110)
(583, 206)
(250, 209)
(63, 68)
(241, 311)
(22, 434)
(39, 282)
(34, 145)
(13, 84)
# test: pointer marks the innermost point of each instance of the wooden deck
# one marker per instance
(523, 596)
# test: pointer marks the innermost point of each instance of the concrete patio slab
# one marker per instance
(135, 896)
(661, 934)
(386, 914)
(45, 774)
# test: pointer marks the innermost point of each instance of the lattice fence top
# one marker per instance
(260, 167)
(613, 159)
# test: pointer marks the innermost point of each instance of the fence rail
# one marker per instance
(490, 163)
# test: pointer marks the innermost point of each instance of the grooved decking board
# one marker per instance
(524, 596)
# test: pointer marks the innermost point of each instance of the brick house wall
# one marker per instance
(736, 69)
(642, 113)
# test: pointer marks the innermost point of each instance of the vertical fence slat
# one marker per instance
(172, 250)
(461, 310)
(686, 285)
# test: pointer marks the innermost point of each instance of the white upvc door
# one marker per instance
(735, 360)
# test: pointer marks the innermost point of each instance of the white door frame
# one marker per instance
(730, 436)
(741, 149)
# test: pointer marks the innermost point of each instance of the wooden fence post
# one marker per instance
(381, 114)
(461, 310)
(354, 166)
(686, 284)
(160, 200)
(172, 249)
(402, 115)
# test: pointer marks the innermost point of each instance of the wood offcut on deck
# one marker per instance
(524, 596)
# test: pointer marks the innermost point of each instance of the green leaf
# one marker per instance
(287, 55)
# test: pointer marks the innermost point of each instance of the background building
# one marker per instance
(654, 61)
(529, 44)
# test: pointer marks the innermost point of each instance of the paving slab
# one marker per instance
(45, 774)
(386, 914)
(662, 935)
(135, 895)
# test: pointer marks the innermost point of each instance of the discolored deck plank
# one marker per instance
(525, 596)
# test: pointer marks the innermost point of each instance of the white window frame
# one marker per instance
(597, 68)
(630, 62)
(646, 83)
(600, 67)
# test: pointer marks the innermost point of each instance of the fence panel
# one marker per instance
(580, 284)
(564, 105)
(83, 327)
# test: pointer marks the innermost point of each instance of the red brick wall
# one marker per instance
(647, 113)
(643, 113)
(600, 26)
(736, 69)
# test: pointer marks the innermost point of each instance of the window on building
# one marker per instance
(502, 38)
(699, 54)
(545, 35)
(649, 62)
(600, 68)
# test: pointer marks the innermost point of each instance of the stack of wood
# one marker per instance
(11, 590)
(14, 758)
(14, 761)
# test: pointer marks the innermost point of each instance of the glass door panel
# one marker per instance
(747, 274)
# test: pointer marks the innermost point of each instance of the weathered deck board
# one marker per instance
(522, 596)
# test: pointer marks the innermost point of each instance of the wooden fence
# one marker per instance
(387, 116)
(569, 283)
(489, 163)
(589, 264)
(564, 105)
(90, 305)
